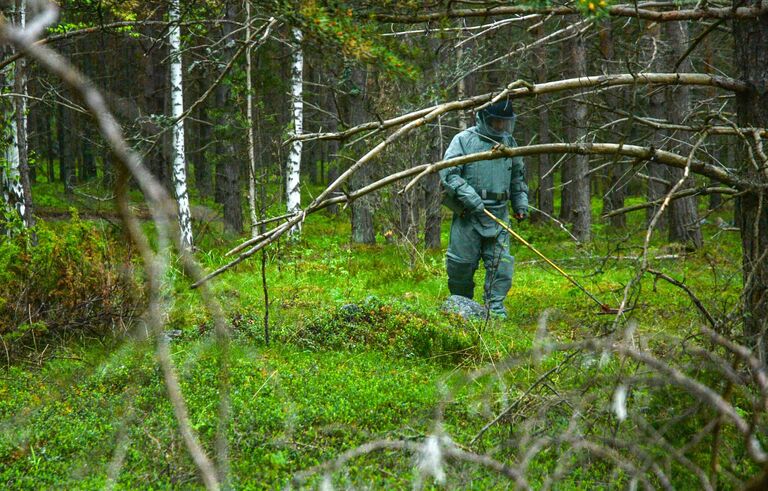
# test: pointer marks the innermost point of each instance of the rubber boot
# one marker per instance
(498, 281)
(460, 278)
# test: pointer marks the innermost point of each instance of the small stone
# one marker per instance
(171, 334)
(465, 307)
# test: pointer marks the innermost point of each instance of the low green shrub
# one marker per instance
(390, 327)
(76, 279)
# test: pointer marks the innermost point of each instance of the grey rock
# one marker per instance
(171, 334)
(465, 307)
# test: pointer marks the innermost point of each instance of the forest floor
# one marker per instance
(334, 376)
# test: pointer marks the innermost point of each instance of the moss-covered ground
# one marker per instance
(335, 376)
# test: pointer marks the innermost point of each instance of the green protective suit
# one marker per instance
(473, 187)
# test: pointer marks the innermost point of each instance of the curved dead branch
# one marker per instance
(640, 11)
(520, 89)
(161, 206)
(323, 200)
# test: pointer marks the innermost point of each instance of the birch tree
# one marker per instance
(293, 167)
(13, 195)
(11, 188)
(177, 110)
(249, 116)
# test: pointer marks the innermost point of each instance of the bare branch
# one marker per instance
(615, 11)
(517, 90)
(678, 195)
(322, 201)
(694, 298)
(161, 207)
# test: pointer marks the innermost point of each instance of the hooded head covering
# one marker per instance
(501, 111)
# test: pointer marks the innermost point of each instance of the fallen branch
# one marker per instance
(520, 399)
(160, 205)
(678, 195)
(694, 298)
(636, 11)
(515, 90)
(323, 201)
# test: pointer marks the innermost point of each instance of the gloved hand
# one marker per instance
(520, 217)
(478, 209)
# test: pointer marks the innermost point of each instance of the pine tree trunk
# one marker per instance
(46, 125)
(228, 165)
(658, 182)
(718, 153)
(613, 195)
(751, 57)
(202, 162)
(683, 213)
(154, 91)
(64, 148)
(432, 194)
(362, 213)
(545, 190)
(576, 194)
(179, 175)
(293, 167)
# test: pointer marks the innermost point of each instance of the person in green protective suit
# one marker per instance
(471, 188)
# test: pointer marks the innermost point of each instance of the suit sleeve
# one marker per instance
(454, 184)
(518, 188)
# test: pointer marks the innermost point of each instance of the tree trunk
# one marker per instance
(658, 178)
(202, 163)
(683, 213)
(154, 91)
(613, 195)
(87, 155)
(718, 153)
(576, 203)
(250, 125)
(333, 174)
(362, 213)
(63, 136)
(46, 125)
(179, 175)
(751, 57)
(432, 194)
(331, 146)
(14, 171)
(545, 190)
(10, 176)
(293, 167)
(228, 165)
(21, 123)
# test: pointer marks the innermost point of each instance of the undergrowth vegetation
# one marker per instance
(361, 352)
(65, 279)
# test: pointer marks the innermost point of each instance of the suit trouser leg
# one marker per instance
(462, 257)
(499, 268)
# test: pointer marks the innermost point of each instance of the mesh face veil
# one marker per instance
(497, 120)
(495, 126)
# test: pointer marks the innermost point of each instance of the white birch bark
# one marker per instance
(293, 167)
(22, 101)
(249, 116)
(10, 177)
(177, 109)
